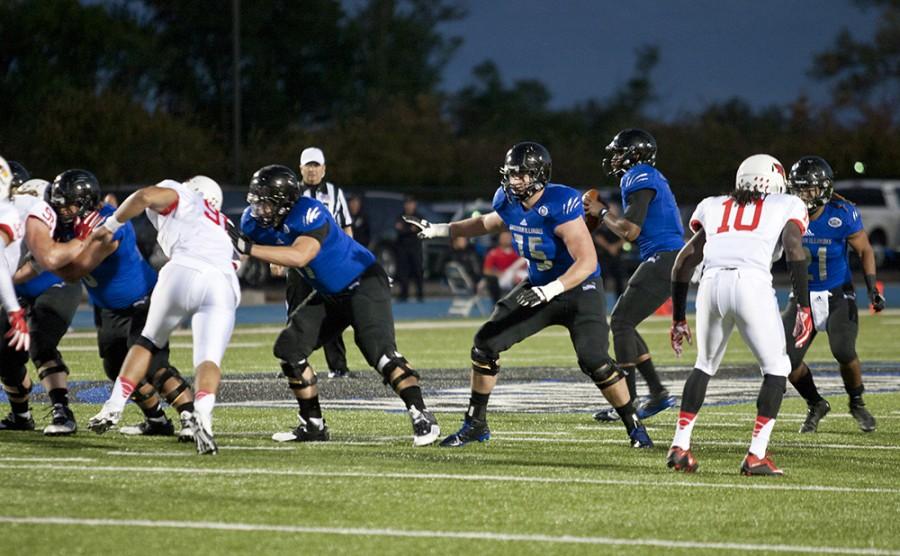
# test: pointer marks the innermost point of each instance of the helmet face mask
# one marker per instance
(761, 173)
(74, 193)
(273, 191)
(628, 148)
(526, 170)
(812, 179)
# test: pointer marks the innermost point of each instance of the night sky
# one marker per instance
(710, 50)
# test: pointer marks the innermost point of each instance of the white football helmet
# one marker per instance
(208, 189)
(35, 187)
(763, 173)
(6, 177)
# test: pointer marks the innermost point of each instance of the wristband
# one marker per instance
(112, 224)
(603, 212)
(679, 300)
(553, 289)
(441, 230)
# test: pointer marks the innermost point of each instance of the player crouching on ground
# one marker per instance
(834, 223)
(563, 287)
(199, 282)
(342, 285)
(736, 237)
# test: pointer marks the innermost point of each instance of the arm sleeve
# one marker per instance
(7, 290)
(638, 205)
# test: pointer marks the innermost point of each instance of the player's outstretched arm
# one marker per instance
(155, 198)
(49, 254)
(860, 243)
(470, 227)
(89, 258)
(297, 255)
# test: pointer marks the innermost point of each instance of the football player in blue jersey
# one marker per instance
(651, 219)
(834, 224)
(119, 283)
(334, 283)
(563, 287)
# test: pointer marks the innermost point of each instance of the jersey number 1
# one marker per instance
(739, 217)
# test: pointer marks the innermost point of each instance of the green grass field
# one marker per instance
(547, 483)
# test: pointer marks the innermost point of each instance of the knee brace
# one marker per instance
(60, 367)
(164, 375)
(139, 397)
(12, 380)
(388, 363)
(484, 363)
(148, 345)
(294, 374)
(606, 375)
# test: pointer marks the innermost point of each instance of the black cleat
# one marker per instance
(863, 418)
(814, 413)
(305, 432)
(63, 423)
(13, 422)
(472, 430)
(150, 428)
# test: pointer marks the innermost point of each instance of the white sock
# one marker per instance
(122, 390)
(683, 430)
(204, 403)
(762, 430)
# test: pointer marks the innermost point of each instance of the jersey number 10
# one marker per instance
(739, 217)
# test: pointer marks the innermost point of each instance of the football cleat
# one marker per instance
(305, 432)
(472, 430)
(13, 422)
(651, 405)
(639, 437)
(863, 418)
(203, 436)
(425, 427)
(814, 413)
(103, 421)
(63, 421)
(150, 427)
(681, 460)
(186, 434)
(752, 466)
(607, 415)
(339, 373)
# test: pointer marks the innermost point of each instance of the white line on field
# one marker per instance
(748, 485)
(431, 534)
(42, 459)
(175, 345)
(713, 443)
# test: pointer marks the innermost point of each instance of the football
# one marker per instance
(591, 221)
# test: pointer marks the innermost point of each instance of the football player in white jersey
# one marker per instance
(11, 233)
(199, 281)
(737, 237)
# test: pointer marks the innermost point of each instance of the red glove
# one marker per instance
(18, 336)
(680, 332)
(84, 226)
(803, 326)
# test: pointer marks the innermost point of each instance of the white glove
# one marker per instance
(534, 296)
(427, 230)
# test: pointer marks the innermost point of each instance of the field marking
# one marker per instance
(711, 443)
(43, 459)
(241, 471)
(432, 534)
(175, 345)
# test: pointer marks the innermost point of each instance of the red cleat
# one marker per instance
(681, 460)
(753, 465)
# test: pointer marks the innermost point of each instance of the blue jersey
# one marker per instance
(825, 243)
(38, 285)
(124, 277)
(340, 260)
(662, 229)
(532, 230)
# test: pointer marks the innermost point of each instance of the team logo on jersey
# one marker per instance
(524, 222)
(588, 286)
(543, 211)
(835, 222)
(312, 214)
(571, 205)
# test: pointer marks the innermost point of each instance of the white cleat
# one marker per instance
(202, 429)
(105, 420)
(425, 427)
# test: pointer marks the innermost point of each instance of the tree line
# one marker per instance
(140, 90)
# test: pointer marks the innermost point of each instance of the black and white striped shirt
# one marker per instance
(333, 198)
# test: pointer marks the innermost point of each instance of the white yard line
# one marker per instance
(433, 534)
(747, 485)
(43, 459)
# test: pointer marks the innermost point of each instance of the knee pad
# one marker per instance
(606, 375)
(60, 367)
(148, 345)
(164, 375)
(12, 380)
(388, 363)
(294, 374)
(485, 363)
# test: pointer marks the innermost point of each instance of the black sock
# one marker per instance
(807, 388)
(855, 395)
(59, 396)
(310, 408)
(694, 391)
(631, 381)
(648, 371)
(412, 397)
(155, 413)
(770, 395)
(19, 407)
(477, 406)
(188, 406)
(629, 417)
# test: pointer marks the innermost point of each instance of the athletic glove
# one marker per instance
(877, 299)
(803, 326)
(18, 336)
(84, 226)
(242, 243)
(680, 332)
(427, 230)
(534, 296)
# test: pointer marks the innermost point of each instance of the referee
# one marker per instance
(312, 172)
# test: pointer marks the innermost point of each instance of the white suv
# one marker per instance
(878, 203)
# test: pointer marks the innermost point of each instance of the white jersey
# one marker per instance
(191, 231)
(746, 237)
(29, 206)
(14, 227)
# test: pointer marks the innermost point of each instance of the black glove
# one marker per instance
(877, 300)
(242, 243)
